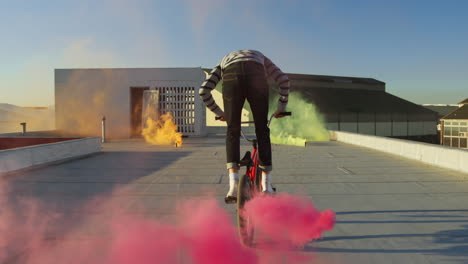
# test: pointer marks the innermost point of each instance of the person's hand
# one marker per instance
(277, 114)
(221, 118)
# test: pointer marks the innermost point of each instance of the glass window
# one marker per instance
(463, 142)
(447, 123)
(462, 123)
(447, 131)
(455, 142)
(463, 129)
(446, 141)
(455, 131)
(454, 123)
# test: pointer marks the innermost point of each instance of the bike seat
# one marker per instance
(246, 160)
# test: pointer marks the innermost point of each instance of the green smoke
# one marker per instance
(305, 124)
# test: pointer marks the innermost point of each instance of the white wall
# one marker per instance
(385, 128)
(25, 157)
(83, 96)
(436, 155)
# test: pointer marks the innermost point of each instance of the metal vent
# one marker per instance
(180, 102)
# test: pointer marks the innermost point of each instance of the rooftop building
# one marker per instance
(455, 127)
(360, 105)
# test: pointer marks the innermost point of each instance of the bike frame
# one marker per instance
(252, 170)
(252, 184)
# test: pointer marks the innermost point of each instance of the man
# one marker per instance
(244, 74)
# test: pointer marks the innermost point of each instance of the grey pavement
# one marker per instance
(389, 209)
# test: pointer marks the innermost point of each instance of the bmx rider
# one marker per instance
(244, 74)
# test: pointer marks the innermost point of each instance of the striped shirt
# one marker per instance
(271, 70)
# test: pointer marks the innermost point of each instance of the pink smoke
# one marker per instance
(200, 232)
(203, 234)
(23, 224)
(288, 219)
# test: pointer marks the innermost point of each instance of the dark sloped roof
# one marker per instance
(330, 78)
(364, 101)
(464, 101)
(326, 78)
(443, 110)
(342, 100)
(460, 113)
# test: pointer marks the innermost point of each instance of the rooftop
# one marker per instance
(441, 109)
(333, 79)
(333, 100)
(460, 113)
(389, 209)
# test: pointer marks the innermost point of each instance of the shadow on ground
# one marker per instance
(448, 243)
(67, 187)
(73, 191)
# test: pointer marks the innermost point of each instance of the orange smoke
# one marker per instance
(162, 131)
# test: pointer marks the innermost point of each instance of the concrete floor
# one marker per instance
(389, 209)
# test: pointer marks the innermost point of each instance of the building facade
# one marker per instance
(84, 96)
(454, 127)
(360, 105)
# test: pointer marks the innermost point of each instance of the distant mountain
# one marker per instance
(9, 107)
(36, 118)
(11, 116)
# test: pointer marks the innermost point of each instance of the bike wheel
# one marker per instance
(244, 223)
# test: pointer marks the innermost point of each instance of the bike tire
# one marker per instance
(244, 223)
(258, 180)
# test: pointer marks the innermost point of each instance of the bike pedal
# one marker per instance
(230, 199)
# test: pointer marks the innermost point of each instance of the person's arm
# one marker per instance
(205, 90)
(281, 80)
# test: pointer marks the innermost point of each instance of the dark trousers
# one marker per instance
(246, 80)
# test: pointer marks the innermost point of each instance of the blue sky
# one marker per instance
(419, 48)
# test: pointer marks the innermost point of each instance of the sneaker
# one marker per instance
(266, 181)
(230, 199)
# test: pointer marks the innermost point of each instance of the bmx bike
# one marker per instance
(249, 186)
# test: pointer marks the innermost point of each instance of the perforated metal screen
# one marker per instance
(182, 101)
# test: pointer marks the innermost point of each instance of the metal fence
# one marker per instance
(182, 101)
